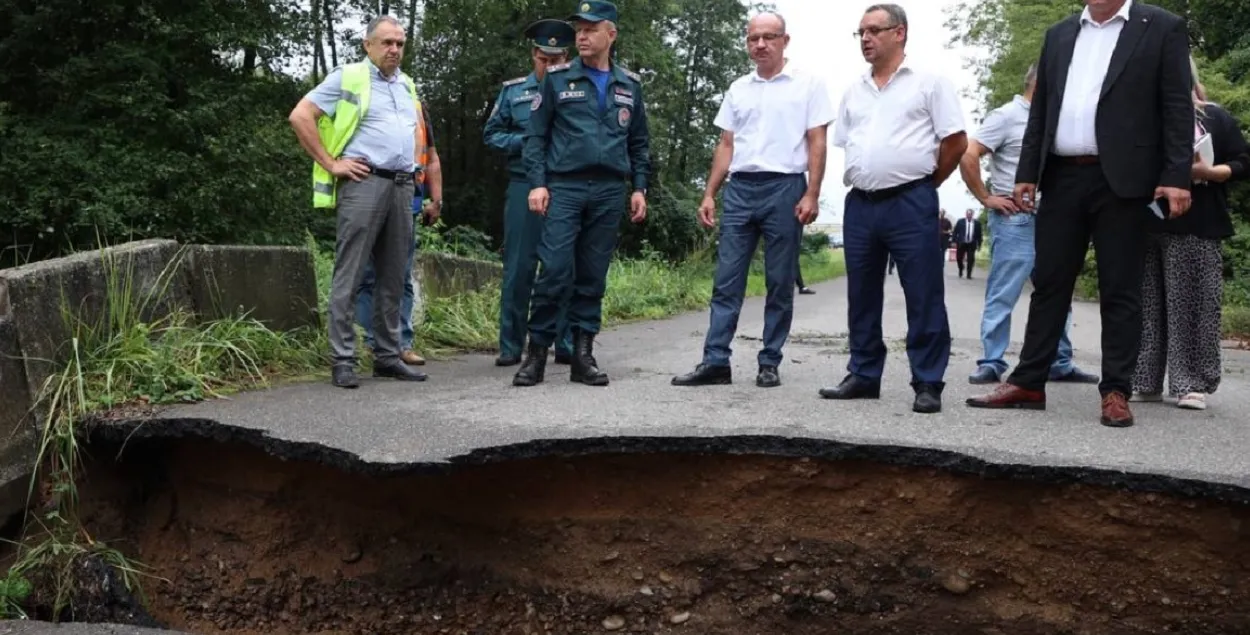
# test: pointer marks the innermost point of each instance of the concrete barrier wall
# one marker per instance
(445, 274)
(41, 305)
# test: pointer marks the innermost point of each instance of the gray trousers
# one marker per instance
(374, 218)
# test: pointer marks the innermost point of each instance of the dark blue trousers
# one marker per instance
(755, 206)
(904, 226)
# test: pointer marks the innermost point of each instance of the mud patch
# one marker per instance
(708, 544)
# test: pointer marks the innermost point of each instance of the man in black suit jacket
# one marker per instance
(967, 242)
(1111, 128)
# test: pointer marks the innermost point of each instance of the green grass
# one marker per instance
(117, 357)
(644, 289)
(1236, 322)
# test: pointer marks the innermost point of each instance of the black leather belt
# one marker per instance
(760, 176)
(402, 178)
(890, 192)
(594, 174)
(1084, 159)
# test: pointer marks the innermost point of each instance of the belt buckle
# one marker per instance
(402, 178)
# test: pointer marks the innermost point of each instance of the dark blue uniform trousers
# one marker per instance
(579, 237)
(522, 231)
(756, 204)
(904, 226)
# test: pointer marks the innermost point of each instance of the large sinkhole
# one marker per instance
(709, 544)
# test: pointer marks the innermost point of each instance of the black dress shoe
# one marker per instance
(705, 375)
(564, 357)
(853, 387)
(507, 360)
(345, 376)
(768, 377)
(984, 375)
(398, 370)
(806, 291)
(928, 399)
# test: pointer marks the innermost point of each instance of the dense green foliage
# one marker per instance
(1011, 32)
(124, 119)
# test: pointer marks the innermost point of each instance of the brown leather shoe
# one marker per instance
(1010, 396)
(412, 358)
(1115, 411)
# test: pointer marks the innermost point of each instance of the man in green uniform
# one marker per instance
(587, 134)
(505, 131)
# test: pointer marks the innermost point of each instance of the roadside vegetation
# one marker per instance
(119, 361)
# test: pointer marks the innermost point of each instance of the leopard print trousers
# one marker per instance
(1181, 292)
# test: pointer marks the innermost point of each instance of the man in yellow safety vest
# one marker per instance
(365, 130)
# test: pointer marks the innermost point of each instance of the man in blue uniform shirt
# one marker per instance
(587, 135)
(505, 131)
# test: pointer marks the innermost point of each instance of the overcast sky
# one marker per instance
(821, 41)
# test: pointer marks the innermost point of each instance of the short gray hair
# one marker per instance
(373, 24)
(1030, 75)
(897, 15)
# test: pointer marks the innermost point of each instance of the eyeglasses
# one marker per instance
(767, 37)
(874, 31)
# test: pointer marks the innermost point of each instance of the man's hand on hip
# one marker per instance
(352, 168)
(1024, 195)
(807, 209)
(1002, 204)
(538, 200)
(1178, 200)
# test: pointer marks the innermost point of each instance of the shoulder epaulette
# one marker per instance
(558, 67)
(514, 81)
(632, 75)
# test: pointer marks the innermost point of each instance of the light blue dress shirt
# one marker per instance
(384, 138)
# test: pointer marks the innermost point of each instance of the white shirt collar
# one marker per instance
(1122, 13)
(1021, 101)
(905, 65)
(784, 72)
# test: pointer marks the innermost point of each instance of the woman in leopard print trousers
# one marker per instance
(1183, 282)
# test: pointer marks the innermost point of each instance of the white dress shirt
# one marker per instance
(1074, 135)
(892, 135)
(769, 119)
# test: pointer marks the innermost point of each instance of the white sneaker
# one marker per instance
(1193, 401)
(1146, 397)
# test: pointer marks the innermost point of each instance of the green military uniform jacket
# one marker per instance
(567, 133)
(505, 129)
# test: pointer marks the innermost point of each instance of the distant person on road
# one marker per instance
(798, 265)
(944, 234)
(967, 242)
(587, 146)
(1111, 129)
(362, 127)
(1183, 286)
(773, 129)
(1011, 238)
(903, 131)
(522, 230)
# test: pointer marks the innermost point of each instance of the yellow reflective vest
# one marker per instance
(335, 133)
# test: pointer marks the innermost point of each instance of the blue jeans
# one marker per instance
(1011, 264)
(364, 302)
(755, 207)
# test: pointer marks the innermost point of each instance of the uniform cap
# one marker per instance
(551, 36)
(594, 11)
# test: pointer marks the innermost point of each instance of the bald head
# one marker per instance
(768, 20)
(766, 42)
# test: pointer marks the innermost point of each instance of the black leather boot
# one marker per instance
(584, 368)
(533, 368)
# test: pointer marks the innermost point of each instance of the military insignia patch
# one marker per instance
(572, 86)
(552, 41)
(538, 101)
(585, 7)
(622, 117)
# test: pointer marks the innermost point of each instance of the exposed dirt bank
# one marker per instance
(714, 545)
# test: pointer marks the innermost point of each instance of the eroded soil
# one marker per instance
(713, 545)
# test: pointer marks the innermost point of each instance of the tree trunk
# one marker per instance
(334, 49)
(319, 54)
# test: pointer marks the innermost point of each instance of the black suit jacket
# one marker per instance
(961, 232)
(1145, 120)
